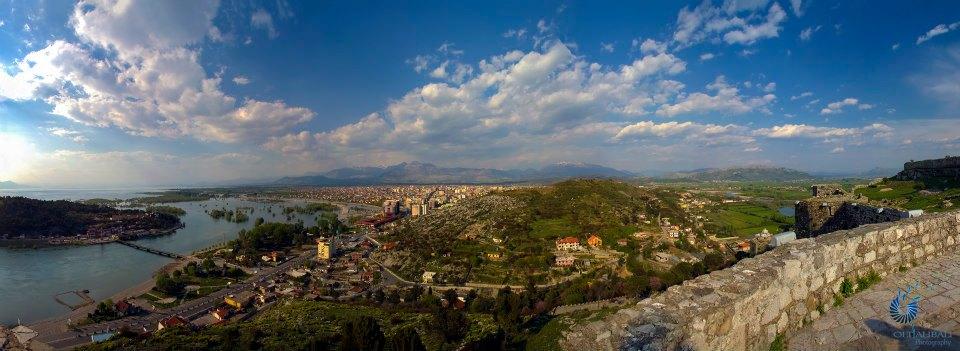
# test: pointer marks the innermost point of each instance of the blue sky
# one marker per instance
(137, 92)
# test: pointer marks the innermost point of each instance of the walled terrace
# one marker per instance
(746, 306)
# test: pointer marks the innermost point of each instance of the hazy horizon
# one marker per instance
(98, 93)
(263, 181)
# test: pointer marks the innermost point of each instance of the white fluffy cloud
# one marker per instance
(939, 29)
(706, 134)
(708, 21)
(727, 99)
(131, 27)
(788, 131)
(513, 98)
(804, 131)
(151, 82)
(519, 103)
(837, 106)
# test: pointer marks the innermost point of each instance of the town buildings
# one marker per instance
(241, 300)
(594, 241)
(568, 244)
(565, 261)
(428, 277)
(326, 248)
(171, 321)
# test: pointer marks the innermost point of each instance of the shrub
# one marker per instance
(837, 300)
(779, 343)
(846, 288)
(865, 282)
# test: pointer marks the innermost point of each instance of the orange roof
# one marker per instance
(172, 321)
(568, 240)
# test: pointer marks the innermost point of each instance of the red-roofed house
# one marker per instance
(125, 308)
(221, 313)
(568, 243)
(594, 241)
(171, 321)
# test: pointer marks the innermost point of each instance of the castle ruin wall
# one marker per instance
(746, 306)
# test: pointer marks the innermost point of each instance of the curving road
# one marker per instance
(189, 310)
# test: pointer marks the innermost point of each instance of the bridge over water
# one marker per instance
(152, 250)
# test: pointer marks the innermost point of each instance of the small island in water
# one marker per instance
(29, 222)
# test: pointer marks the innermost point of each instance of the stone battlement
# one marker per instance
(947, 167)
(817, 216)
(825, 190)
(745, 306)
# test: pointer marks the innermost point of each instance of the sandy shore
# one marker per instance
(61, 323)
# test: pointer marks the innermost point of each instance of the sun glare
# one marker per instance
(16, 154)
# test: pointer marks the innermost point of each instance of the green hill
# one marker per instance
(520, 225)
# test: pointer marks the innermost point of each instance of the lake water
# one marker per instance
(30, 278)
(788, 211)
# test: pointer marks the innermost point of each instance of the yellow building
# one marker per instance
(240, 300)
(325, 249)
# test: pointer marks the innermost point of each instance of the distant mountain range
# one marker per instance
(427, 173)
(742, 174)
(876, 172)
(10, 185)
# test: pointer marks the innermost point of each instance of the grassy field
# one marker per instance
(890, 190)
(746, 219)
(553, 228)
(910, 195)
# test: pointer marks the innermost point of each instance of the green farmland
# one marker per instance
(745, 220)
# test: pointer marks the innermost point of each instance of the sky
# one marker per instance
(128, 93)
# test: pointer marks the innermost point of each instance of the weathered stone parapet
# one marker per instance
(947, 167)
(816, 216)
(745, 306)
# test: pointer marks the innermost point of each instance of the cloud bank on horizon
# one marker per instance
(175, 92)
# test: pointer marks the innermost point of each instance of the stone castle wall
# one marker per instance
(947, 167)
(745, 306)
(817, 216)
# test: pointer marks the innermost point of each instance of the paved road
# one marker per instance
(863, 322)
(189, 309)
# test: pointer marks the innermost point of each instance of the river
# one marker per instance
(31, 277)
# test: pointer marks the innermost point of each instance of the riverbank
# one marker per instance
(25, 243)
(35, 275)
(64, 322)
